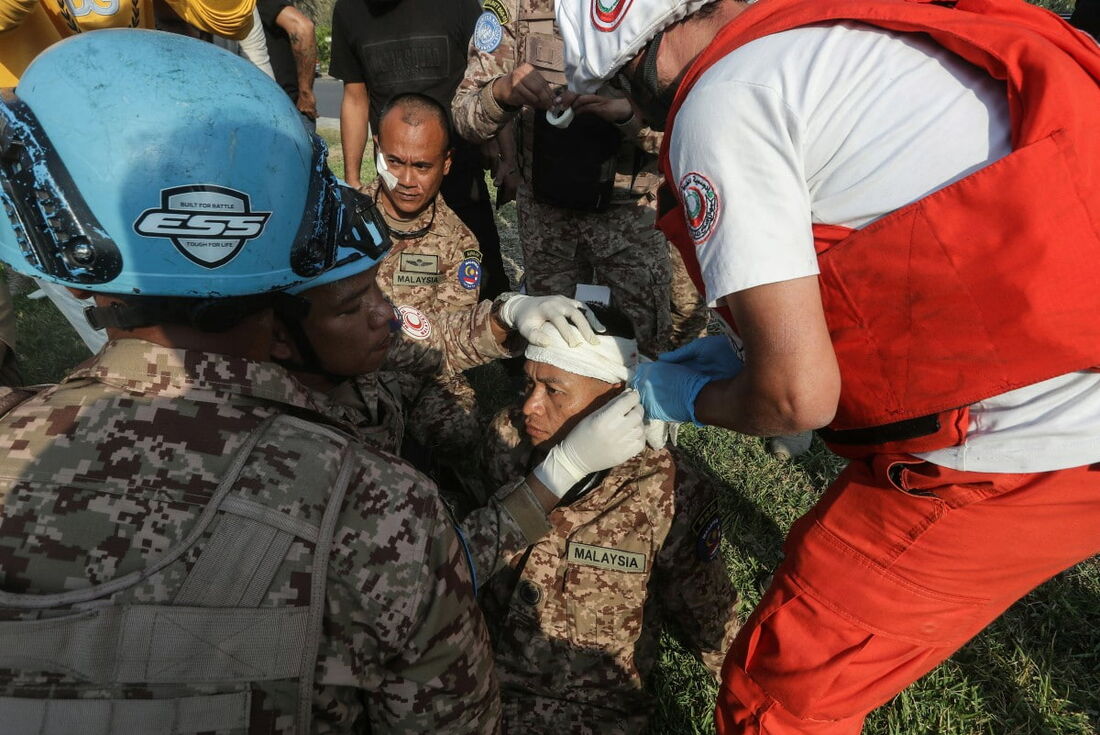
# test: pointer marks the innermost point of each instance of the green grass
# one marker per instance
(1036, 671)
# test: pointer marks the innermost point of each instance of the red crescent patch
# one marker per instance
(608, 14)
(701, 205)
(414, 323)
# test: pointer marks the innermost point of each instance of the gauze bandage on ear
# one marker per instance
(611, 360)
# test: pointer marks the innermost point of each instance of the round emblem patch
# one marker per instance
(469, 274)
(608, 14)
(487, 33)
(414, 323)
(710, 538)
(701, 206)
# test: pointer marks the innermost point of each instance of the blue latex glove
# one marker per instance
(668, 390)
(713, 356)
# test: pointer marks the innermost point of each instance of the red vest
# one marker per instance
(987, 285)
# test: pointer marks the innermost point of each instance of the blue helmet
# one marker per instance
(138, 162)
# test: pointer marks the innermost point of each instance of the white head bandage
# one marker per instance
(612, 360)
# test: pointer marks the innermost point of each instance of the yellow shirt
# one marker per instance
(29, 26)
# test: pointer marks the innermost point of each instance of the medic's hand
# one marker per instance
(658, 433)
(605, 438)
(668, 390)
(612, 109)
(713, 356)
(531, 316)
(524, 85)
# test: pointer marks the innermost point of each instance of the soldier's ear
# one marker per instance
(282, 344)
(447, 161)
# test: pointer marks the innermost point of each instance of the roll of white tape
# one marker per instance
(562, 120)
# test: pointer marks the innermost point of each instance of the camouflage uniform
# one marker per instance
(103, 473)
(561, 247)
(438, 272)
(575, 618)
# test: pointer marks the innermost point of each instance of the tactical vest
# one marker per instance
(588, 165)
(987, 285)
(206, 653)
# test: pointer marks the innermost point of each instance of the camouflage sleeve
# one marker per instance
(513, 519)
(695, 587)
(404, 604)
(447, 343)
(492, 54)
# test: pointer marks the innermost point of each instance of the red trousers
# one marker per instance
(898, 565)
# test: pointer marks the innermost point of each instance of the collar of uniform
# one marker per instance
(649, 463)
(422, 220)
(138, 366)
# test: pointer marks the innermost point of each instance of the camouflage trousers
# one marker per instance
(618, 248)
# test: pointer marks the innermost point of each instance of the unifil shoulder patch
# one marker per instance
(488, 33)
(603, 557)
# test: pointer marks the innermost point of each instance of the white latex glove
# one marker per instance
(531, 315)
(604, 439)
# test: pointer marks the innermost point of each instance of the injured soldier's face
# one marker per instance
(349, 325)
(557, 400)
(418, 156)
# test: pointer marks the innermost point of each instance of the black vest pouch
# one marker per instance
(574, 168)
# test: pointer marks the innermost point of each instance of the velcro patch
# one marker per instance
(419, 263)
(603, 557)
(496, 7)
(469, 274)
(401, 278)
(709, 541)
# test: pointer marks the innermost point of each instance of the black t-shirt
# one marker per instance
(1086, 16)
(407, 46)
(278, 46)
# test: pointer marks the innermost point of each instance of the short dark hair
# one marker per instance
(618, 324)
(418, 107)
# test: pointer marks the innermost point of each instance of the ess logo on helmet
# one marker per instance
(608, 14)
(208, 224)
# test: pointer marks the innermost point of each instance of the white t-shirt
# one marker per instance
(842, 124)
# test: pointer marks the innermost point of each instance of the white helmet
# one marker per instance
(602, 35)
